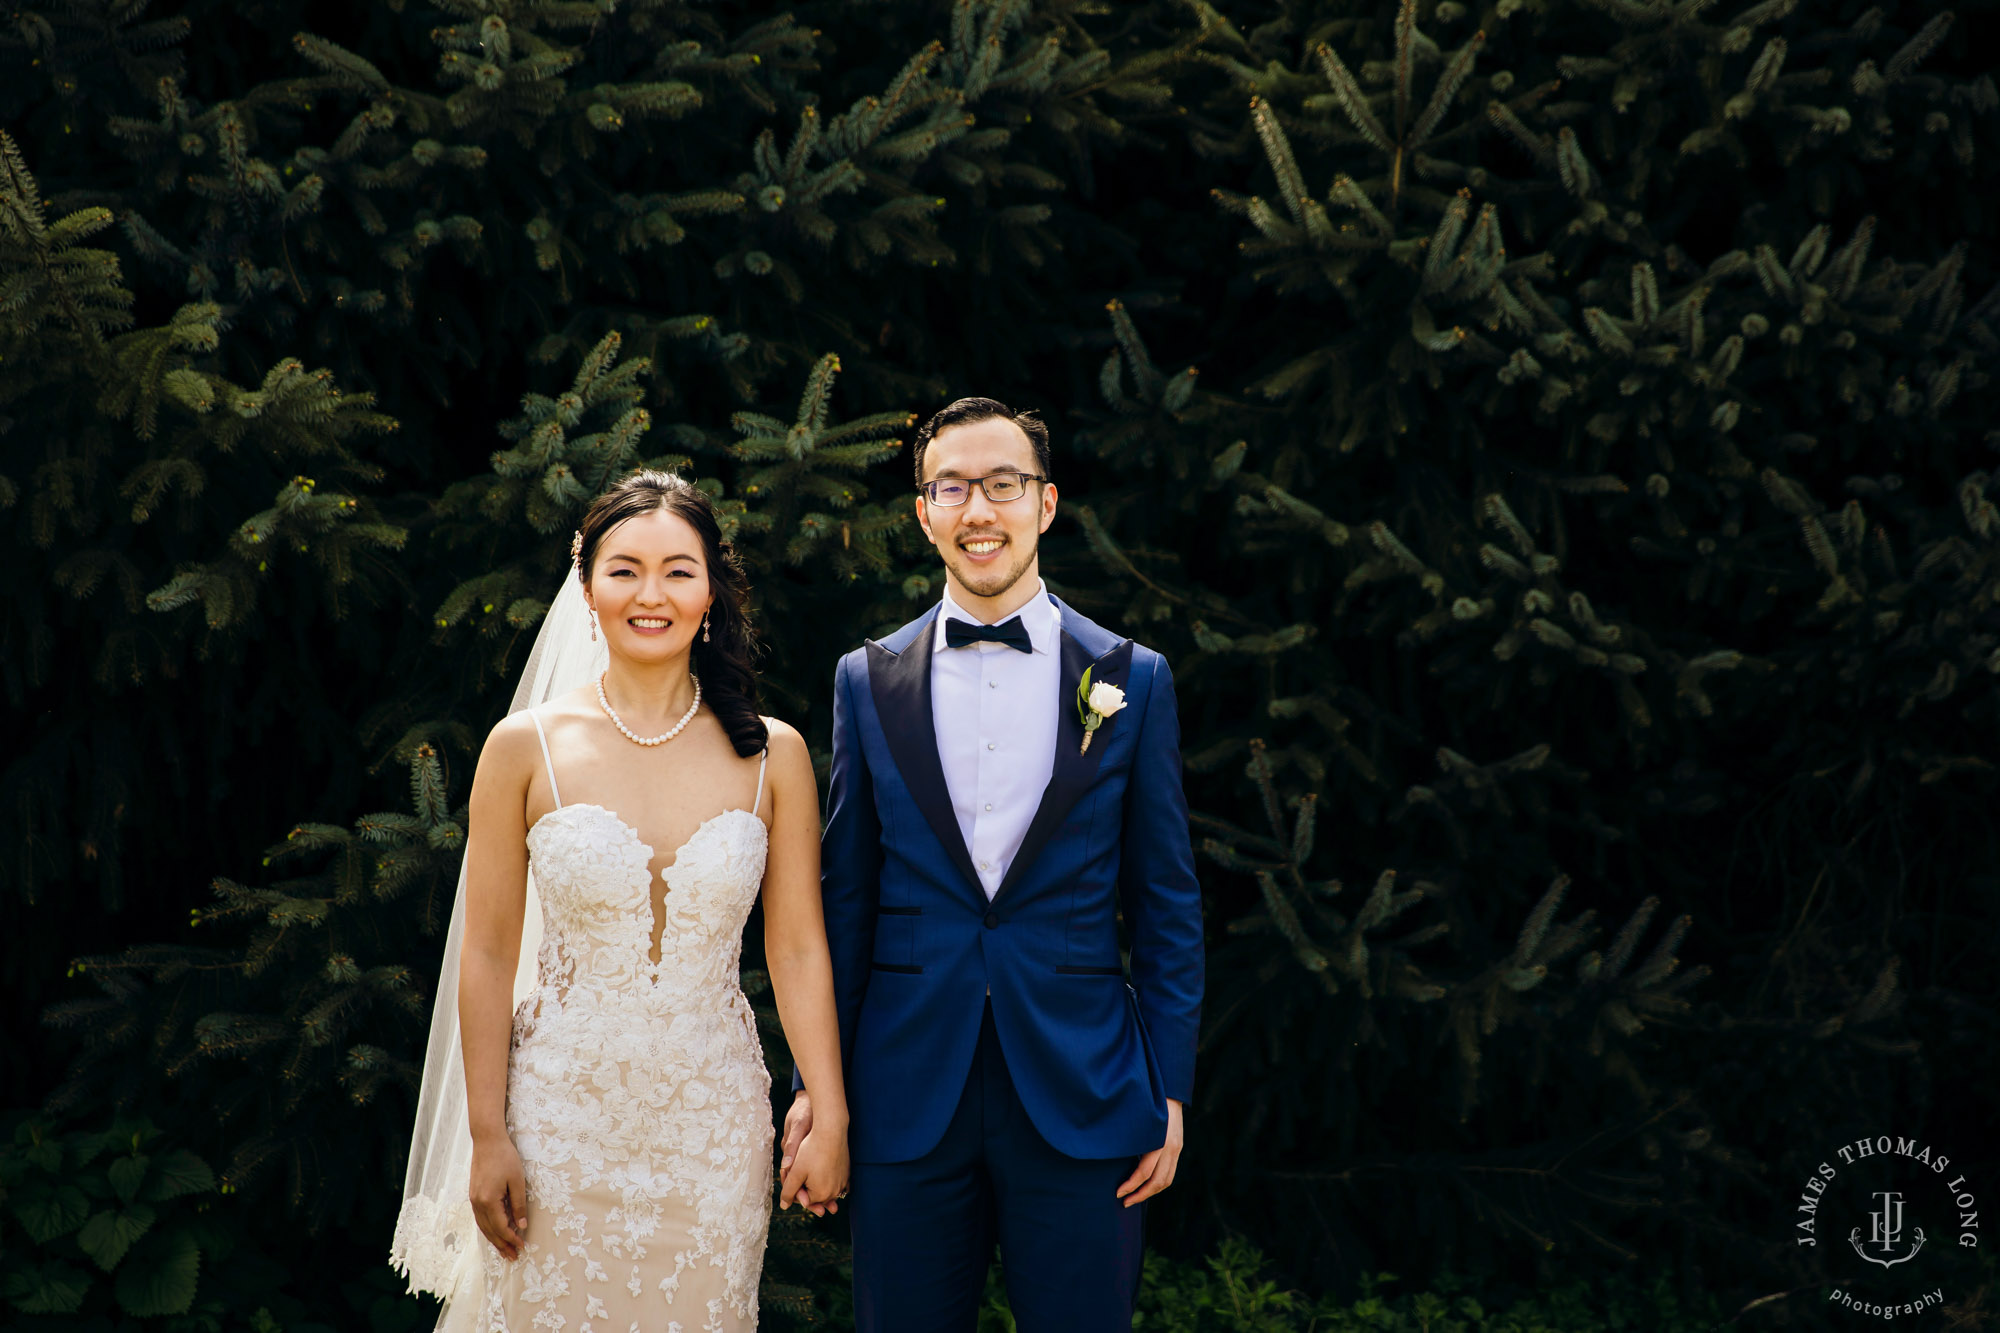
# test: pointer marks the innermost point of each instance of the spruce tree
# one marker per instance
(130, 446)
(1543, 513)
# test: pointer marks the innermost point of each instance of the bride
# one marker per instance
(610, 1134)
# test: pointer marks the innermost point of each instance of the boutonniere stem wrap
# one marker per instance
(1094, 703)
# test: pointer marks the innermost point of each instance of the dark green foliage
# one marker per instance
(117, 1229)
(1543, 523)
(1550, 440)
(1233, 1291)
(141, 449)
(99, 1223)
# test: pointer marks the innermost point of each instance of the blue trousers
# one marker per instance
(924, 1231)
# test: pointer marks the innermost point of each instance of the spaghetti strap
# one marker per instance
(758, 804)
(547, 763)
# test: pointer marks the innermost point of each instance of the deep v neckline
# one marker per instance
(656, 936)
(655, 950)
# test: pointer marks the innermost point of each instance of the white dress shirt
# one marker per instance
(994, 710)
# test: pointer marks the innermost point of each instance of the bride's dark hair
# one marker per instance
(723, 660)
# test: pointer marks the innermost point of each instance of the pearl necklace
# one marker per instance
(664, 736)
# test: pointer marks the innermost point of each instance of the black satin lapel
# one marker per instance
(901, 685)
(1073, 770)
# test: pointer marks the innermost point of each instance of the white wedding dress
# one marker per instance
(636, 1090)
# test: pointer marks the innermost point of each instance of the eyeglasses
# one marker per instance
(949, 492)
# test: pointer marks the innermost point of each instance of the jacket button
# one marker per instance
(992, 920)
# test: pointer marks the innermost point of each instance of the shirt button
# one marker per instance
(982, 864)
(992, 684)
(989, 805)
(989, 745)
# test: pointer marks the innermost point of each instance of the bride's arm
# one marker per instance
(795, 951)
(496, 894)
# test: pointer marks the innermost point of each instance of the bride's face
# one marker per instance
(649, 586)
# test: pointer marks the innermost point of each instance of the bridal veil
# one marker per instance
(437, 1242)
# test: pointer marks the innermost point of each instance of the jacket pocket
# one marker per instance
(895, 967)
(900, 911)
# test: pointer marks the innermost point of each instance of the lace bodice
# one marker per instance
(591, 872)
(637, 1094)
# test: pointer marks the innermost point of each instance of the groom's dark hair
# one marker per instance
(968, 410)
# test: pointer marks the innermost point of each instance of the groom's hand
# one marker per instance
(798, 1124)
(1156, 1169)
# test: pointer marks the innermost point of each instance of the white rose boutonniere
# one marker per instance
(1094, 703)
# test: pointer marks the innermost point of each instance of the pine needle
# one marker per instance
(1278, 149)
(1406, 34)
(1627, 939)
(1449, 83)
(1529, 941)
(1352, 100)
(1915, 51)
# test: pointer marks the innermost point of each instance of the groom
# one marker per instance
(994, 826)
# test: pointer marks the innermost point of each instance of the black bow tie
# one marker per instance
(958, 633)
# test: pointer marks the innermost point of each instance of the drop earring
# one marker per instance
(593, 624)
(704, 626)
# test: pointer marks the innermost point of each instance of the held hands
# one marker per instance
(815, 1161)
(499, 1195)
(1156, 1169)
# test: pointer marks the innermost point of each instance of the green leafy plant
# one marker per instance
(102, 1220)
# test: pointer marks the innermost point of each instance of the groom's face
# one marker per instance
(987, 548)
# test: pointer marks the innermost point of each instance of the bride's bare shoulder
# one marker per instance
(580, 702)
(551, 713)
(512, 744)
(511, 749)
(784, 736)
(789, 754)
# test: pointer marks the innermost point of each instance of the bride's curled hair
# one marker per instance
(724, 660)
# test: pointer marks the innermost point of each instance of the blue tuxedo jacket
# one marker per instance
(916, 946)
